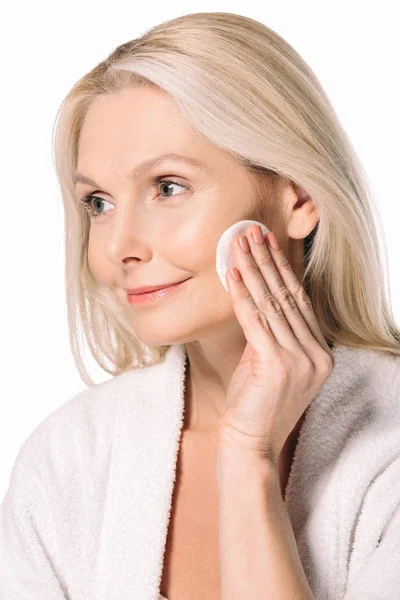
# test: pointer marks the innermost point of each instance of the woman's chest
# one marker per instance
(191, 560)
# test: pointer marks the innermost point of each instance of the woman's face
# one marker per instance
(145, 234)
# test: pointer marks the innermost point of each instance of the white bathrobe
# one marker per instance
(88, 506)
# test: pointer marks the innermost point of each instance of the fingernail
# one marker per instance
(257, 235)
(244, 244)
(273, 241)
(235, 274)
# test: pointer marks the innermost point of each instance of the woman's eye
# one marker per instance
(165, 183)
(157, 183)
(87, 202)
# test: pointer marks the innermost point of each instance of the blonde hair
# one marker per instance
(250, 93)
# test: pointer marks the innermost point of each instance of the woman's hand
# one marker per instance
(286, 360)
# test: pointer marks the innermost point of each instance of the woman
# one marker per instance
(247, 444)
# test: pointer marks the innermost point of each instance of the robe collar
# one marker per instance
(149, 421)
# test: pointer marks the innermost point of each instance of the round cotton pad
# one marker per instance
(224, 255)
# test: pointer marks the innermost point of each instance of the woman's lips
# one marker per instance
(155, 295)
(149, 288)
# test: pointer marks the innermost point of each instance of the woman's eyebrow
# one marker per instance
(144, 167)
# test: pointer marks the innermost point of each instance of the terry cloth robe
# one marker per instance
(87, 510)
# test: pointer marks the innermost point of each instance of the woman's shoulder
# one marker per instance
(367, 378)
(81, 431)
(353, 424)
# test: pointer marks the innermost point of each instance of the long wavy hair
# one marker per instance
(250, 93)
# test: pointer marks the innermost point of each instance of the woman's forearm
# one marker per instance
(258, 552)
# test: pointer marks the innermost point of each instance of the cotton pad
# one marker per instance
(224, 254)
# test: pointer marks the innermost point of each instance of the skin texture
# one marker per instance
(138, 240)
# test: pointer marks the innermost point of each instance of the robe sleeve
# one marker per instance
(379, 579)
(28, 553)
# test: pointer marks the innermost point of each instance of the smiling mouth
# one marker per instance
(156, 294)
(152, 288)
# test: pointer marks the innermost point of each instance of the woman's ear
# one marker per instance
(302, 213)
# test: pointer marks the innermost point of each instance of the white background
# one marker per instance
(353, 47)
